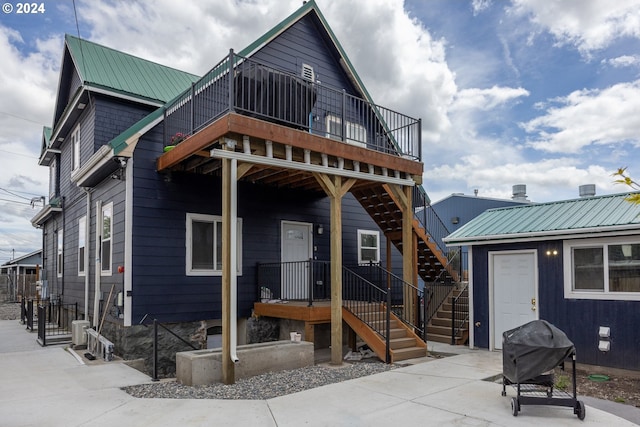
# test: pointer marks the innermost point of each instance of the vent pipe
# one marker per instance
(519, 192)
(587, 190)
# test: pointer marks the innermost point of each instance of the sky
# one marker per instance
(536, 92)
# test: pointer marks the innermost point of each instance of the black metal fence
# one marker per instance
(54, 321)
(264, 92)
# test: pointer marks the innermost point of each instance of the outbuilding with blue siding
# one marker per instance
(574, 263)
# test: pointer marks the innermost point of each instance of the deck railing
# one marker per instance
(243, 85)
(294, 281)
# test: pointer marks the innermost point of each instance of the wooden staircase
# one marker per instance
(403, 342)
(383, 207)
(439, 327)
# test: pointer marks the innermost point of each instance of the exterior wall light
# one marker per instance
(320, 229)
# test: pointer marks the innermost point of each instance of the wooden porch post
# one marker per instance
(403, 198)
(335, 189)
(408, 250)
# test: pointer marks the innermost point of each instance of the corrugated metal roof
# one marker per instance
(562, 217)
(108, 68)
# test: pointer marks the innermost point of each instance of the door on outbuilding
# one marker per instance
(514, 287)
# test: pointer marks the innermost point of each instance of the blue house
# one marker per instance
(574, 263)
(274, 176)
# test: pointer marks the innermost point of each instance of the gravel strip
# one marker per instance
(9, 311)
(261, 387)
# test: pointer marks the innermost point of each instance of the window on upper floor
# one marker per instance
(82, 243)
(75, 143)
(106, 247)
(368, 246)
(59, 252)
(204, 245)
(606, 268)
(53, 178)
(355, 134)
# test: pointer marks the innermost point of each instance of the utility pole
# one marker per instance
(13, 254)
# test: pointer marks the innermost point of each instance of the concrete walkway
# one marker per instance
(50, 387)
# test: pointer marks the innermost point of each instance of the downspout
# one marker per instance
(128, 243)
(98, 266)
(87, 239)
(234, 259)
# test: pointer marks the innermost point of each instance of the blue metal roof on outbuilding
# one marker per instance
(592, 214)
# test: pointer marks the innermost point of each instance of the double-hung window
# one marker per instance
(106, 246)
(204, 245)
(602, 268)
(368, 246)
(60, 254)
(82, 244)
(75, 144)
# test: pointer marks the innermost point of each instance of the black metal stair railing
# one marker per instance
(459, 313)
(400, 292)
(369, 303)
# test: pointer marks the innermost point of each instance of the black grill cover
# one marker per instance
(532, 349)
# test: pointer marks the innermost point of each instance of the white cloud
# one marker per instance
(623, 61)
(587, 24)
(480, 6)
(486, 99)
(27, 86)
(589, 117)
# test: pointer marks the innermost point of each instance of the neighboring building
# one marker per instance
(20, 274)
(574, 263)
(458, 209)
(144, 161)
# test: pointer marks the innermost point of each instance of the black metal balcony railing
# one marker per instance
(243, 85)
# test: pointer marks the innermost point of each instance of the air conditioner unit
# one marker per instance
(78, 332)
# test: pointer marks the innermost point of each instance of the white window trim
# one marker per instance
(377, 234)
(570, 293)
(190, 271)
(59, 253)
(353, 131)
(82, 230)
(108, 271)
(75, 142)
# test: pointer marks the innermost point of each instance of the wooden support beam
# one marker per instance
(408, 252)
(335, 189)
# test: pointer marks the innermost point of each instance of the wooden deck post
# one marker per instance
(336, 190)
(408, 256)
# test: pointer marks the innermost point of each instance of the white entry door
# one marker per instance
(514, 282)
(297, 249)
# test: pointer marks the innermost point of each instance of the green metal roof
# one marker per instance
(578, 216)
(106, 68)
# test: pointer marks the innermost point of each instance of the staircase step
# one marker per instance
(441, 321)
(397, 333)
(445, 339)
(438, 330)
(408, 353)
(381, 325)
(398, 343)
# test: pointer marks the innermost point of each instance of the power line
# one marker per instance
(15, 201)
(23, 192)
(18, 154)
(14, 194)
(20, 117)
